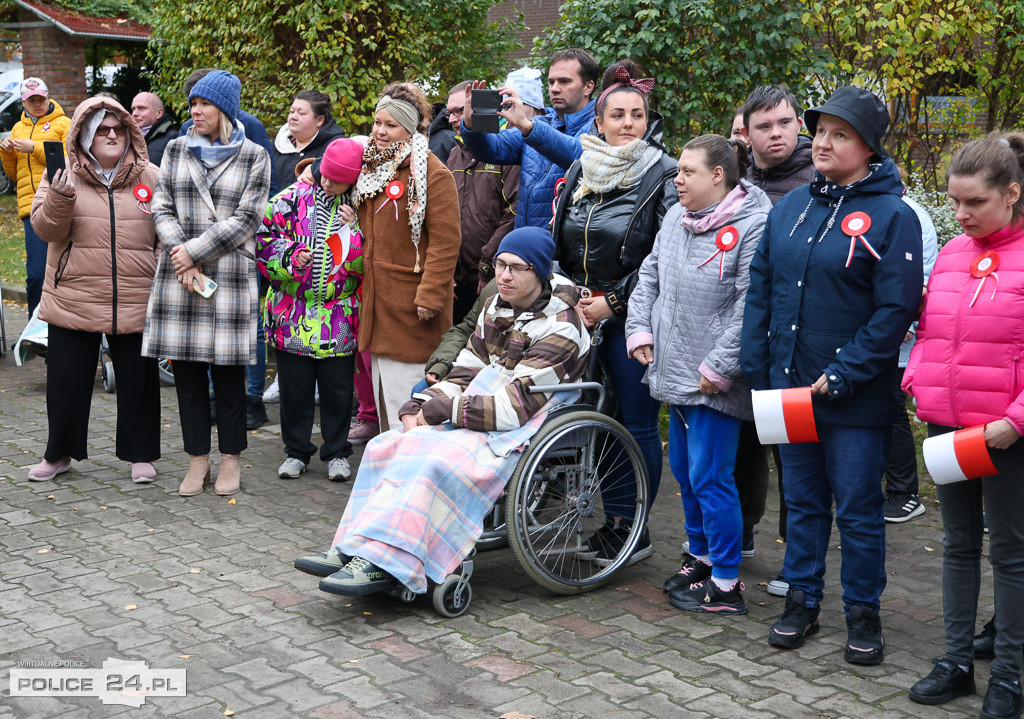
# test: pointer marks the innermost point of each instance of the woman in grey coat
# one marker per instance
(684, 323)
(209, 199)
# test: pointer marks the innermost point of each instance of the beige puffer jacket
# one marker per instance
(104, 241)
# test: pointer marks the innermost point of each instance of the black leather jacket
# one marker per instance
(601, 241)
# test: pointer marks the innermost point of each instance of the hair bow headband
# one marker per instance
(644, 85)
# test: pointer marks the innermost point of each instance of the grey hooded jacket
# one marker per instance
(690, 315)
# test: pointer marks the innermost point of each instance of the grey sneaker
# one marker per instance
(778, 587)
(357, 578)
(339, 470)
(324, 564)
(291, 468)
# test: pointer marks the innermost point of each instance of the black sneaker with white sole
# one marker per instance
(693, 571)
(616, 539)
(707, 597)
(357, 578)
(324, 564)
(597, 540)
(902, 507)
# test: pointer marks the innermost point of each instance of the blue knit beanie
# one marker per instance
(533, 245)
(222, 89)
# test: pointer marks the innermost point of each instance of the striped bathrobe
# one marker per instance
(214, 212)
(420, 498)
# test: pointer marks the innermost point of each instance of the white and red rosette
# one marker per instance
(143, 194)
(960, 455)
(982, 266)
(725, 240)
(784, 416)
(854, 225)
(394, 191)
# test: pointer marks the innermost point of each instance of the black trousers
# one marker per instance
(752, 478)
(297, 377)
(70, 379)
(465, 297)
(192, 382)
(901, 472)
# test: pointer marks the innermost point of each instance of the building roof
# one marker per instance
(73, 23)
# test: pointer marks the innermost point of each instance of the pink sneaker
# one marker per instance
(362, 432)
(48, 470)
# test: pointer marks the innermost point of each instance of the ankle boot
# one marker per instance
(197, 476)
(229, 475)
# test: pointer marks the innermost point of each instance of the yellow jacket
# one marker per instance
(26, 168)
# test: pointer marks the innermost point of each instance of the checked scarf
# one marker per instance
(605, 168)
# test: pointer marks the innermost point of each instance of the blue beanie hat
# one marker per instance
(220, 88)
(533, 245)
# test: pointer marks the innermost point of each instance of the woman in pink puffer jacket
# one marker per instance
(966, 370)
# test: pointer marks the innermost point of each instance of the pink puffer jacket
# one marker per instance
(967, 366)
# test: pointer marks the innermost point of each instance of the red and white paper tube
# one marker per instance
(784, 416)
(956, 456)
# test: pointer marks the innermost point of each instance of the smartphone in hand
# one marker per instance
(486, 104)
(208, 288)
(54, 152)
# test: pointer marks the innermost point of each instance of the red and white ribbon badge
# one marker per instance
(46, 126)
(960, 455)
(725, 240)
(394, 190)
(984, 265)
(554, 202)
(143, 194)
(784, 416)
(855, 225)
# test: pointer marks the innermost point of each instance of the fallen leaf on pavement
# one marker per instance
(516, 715)
(928, 549)
(184, 656)
(131, 606)
(232, 501)
(42, 551)
(194, 571)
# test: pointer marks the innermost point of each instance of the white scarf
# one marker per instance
(607, 168)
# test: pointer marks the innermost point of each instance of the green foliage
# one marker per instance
(348, 49)
(705, 54)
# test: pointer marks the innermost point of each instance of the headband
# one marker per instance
(643, 85)
(405, 113)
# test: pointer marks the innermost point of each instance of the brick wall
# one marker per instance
(57, 58)
(537, 15)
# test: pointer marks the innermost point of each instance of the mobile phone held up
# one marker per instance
(54, 152)
(486, 104)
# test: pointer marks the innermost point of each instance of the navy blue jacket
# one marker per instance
(551, 147)
(254, 131)
(808, 314)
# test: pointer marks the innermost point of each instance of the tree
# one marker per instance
(348, 49)
(706, 55)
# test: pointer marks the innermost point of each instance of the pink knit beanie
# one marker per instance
(342, 160)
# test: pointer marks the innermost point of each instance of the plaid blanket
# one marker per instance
(420, 497)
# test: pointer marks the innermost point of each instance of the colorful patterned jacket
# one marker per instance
(312, 311)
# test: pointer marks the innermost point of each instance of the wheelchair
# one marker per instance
(555, 501)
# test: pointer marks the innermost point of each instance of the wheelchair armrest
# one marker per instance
(573, 386)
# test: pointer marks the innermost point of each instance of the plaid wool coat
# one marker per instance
(189, 199)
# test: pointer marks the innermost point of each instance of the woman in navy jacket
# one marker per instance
(834, 286)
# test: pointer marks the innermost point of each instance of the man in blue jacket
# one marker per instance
(544, 146)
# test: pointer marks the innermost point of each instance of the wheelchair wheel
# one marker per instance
(554, 501)
(109, 381)
(166, 371)
(449, 599)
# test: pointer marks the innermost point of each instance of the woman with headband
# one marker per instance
(606, 217)
(409, 214)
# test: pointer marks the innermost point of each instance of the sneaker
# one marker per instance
(316, 393)
(946, 682)
(778, 587)
(902, 507)
(48, 470)
(796, 623)
(864, 642)
(707, 597)
(1002, 700)
(356, 578)
(291, 468)
(597, 540)
(362, 432)
(693, 571)
(985, 642)
(255, 412)
(607, 553)
(339, 470)
(324, 564)
(747, 548)
(143, 473)
(273, 392)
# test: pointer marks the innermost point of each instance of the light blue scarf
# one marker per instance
(214, 153)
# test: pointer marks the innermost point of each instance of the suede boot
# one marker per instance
(229, 475)
(197, 476)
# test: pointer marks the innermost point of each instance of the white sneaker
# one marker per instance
(273, 392)
(291, 468)
(339, 470)
(778, 587)
(316, 394)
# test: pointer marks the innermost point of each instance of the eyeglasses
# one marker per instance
(119, 130)
(456, 111)
(516, 270)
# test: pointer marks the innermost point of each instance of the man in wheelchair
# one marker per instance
(422, 492)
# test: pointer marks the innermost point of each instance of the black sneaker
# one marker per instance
(1002, 700)
(747, 548)
(864, 642)
(985, 642)
(706, 597)
(597, 540)
(322, 565)
(255, 412)
(946, 682)
(616, 540)
(796, 623)
(693, 571)
(902, 507)
(357, 578)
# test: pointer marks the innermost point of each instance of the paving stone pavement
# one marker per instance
(214, 592)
